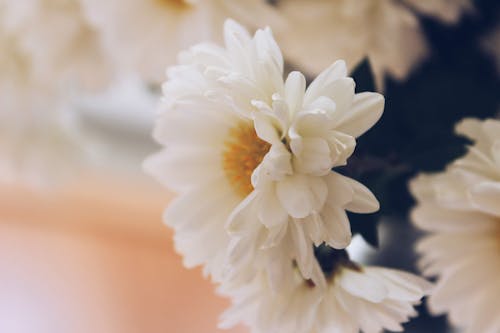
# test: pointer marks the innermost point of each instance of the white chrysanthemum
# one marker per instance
(385, 31)
(144, 36)
(246, 148)
(37, 146)
(460, 207)
(38, 151)
(58, 41)
(356, 298)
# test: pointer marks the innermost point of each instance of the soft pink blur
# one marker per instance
(94, 257)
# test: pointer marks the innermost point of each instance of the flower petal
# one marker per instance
(366, 110)
(337, 227)
(363, 200)
(320, 86)
(362, 285)
(295, 86)
(486, 196)
(301, 195)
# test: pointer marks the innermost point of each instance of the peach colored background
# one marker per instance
(93, 256)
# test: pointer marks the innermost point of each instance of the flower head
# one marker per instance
(39, 145)
(161, 28)
(356, 298)
(459, 207)
(252, 153)
(387, 32)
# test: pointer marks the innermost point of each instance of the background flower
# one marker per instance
(162, 28)
(460, 209)
(386, 32)
(356, 298)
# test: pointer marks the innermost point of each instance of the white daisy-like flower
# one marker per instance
(39, 149)
(460, 207)
(59, 42)
(38, 145)
(387, 32)
(356, 298)
(251, 153)
(144, 36)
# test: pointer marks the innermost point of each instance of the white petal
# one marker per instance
(323, 103)
(181, 168)
(365, 111)
(270, 211)
(341, 146)
(295, 86)
(470, 127)
(361, 285)
(340, 191)
(275, 166)
(486, 196)
(319, 86)
(338, 229)
(300, 195)
(274, 235)
(242, 217)
(303, 248)
(342, 93)
(265, 128)
(363, 200)
(235, 36)
(268, 49)
(432, 217)
(401, 285)
(314, 156)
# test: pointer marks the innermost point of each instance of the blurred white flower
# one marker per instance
(145, 36)
(387, 32)
(245, 148)
(59, 43)
(460, 208)
(39, 149)
(356, 298)
(38, 143)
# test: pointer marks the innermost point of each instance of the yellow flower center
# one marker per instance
(243, 152)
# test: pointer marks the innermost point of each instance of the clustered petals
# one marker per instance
(459, 208)
(250, 155)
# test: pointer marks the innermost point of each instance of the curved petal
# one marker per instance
(363, 286)
(337, 227)
(363, 200)
(301, 195)
(366, 110)
(486, 196)
(295, 86)
(320, 86)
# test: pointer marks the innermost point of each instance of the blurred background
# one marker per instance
(82, 243)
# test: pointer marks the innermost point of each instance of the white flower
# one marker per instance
(246, 148)
(356, 298)
(387, 32)
(460, 208)
(57, 40)
(38, 145)
(39, 149)
(144, 36)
